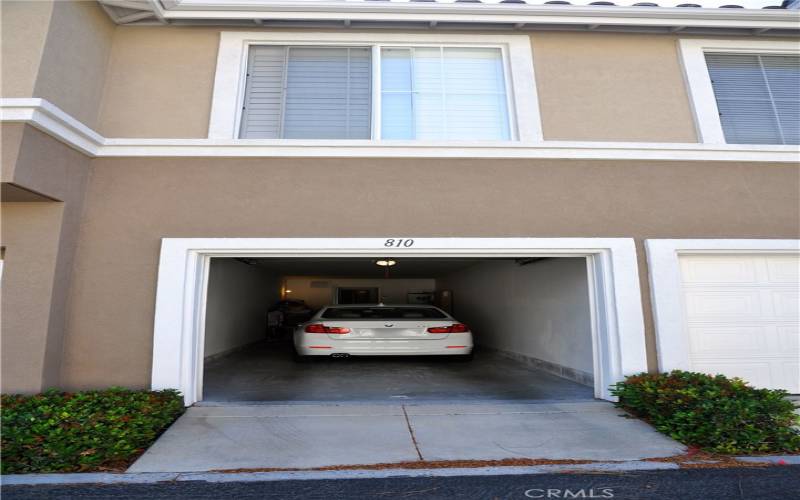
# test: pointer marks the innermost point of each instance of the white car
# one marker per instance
(382, 330)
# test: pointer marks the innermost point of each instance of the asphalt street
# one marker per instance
(780, 482)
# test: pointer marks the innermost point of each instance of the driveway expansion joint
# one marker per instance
(411, 431)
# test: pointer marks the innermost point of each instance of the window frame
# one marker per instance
(229, 84)
(698, 80)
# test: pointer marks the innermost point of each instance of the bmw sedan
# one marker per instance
(382, 330)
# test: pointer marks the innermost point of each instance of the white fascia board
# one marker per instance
(55, 122)
(483, 13)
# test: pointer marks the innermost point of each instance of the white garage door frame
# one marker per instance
(672, 341)
(615, 296)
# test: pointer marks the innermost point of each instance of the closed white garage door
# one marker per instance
(742, 317)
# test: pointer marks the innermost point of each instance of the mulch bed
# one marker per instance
(692, 459)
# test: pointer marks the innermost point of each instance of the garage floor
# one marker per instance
(267, 372)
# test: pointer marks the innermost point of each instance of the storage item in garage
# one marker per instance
(444, 300)
(420, 298)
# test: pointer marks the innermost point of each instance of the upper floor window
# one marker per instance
(307, 93)
(744, 91)
(443, 93)
(427, 93)
(374, 86)
(758, 97)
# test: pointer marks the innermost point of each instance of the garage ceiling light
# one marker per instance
(385, 262)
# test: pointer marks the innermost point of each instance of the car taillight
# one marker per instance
(456, 328)
(337, 329)
(318, 328)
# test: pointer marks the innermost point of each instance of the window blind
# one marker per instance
(307, 93)
(443, 93)
(758, 97)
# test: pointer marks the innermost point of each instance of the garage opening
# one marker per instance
(531, 320)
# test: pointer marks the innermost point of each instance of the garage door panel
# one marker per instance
(742, 317)
(791, 373)
(785, 303)
(737, 339)
(703, 305)
(783, 270)
(712, 269)
(788, 337)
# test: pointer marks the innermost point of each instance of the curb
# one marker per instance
(772, 459)
(223, 477)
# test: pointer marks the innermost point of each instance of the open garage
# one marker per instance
(530, 319)
(551, 318)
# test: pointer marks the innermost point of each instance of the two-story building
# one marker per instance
(597, 190)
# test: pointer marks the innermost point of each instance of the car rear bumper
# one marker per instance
(456, 344)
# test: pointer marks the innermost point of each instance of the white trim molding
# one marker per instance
(51, 120)
(229, 82)
(178, 333)
(663, 256)
(698, 80)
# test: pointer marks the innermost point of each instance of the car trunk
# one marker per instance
(388, 329)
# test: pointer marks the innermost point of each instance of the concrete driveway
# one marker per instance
(317, 435)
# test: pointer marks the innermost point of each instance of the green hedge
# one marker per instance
(82, 431)
(713, 413)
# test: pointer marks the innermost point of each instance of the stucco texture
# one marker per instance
(132, 203)
(159, 82)
(595, 86)
(39, 240)
(56, 51)
(611, 87)
(23, 35)
(74, 60)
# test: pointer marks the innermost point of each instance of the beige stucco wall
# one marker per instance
(73, 68)
(22, 38)
(56, 51)
(30, 235)
(159, 82)
(611, 87)
(132, 203)
(591, 86)
(39, 240)
(10, 142)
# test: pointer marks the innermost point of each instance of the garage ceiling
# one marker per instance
(364, 267)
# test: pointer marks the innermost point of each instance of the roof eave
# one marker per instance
(515, 15)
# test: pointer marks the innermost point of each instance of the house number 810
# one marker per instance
(397, 243)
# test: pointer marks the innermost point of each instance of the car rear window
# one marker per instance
(382, 313)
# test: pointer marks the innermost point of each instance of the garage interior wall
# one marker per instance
(538, 311)
(239, 296)
(320, 291)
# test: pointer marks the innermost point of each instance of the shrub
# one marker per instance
(82, 431)
(713, 413)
